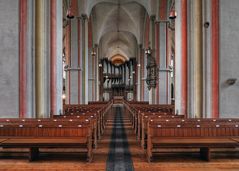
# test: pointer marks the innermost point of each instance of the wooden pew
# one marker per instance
(146, 117)
(204, 136)
(58, 120)
(35, 136)
(136, 109)
(99, 110)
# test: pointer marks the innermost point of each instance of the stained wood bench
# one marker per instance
(48, 121)
(146, 117)
(35, 143)
(98, 111)
(136, 111)
(35, 136)
(204, 136)
(204, 144)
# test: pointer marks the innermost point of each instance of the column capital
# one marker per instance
(152, 17)
(84, 17)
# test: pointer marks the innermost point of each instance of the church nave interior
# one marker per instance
(119, 85)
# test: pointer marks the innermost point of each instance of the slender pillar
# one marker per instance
(97, 73)
(91, 63)
(181, 57)
(56, 58)
(85, 56)
(79, 47)
(142, 74)
(138, 72)
(68, 63)
(39, 58)
(198, 57)
(53, 57)
(215, 57)
(30, 62)
(23, 16)
(207, 58)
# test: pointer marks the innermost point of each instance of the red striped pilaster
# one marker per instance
(74, 7)
(184, 55)
(23, 58)
(163, 10)
(79, 61)
(215, 57)
(53, 68)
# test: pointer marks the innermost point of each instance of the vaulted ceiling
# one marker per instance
(118, 27)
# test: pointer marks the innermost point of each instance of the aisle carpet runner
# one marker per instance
(119, 157)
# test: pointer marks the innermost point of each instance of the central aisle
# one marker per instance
(119, 157)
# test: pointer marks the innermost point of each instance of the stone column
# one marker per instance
(23, 17)
(195, 50)
(198, 65)
(215, 28)
(56, 57)
(164, 72)
(181, 57)
(73, 72)
(97, 78)
(78, 65)
(138, 72)
(142, 74)
(30, 62)
(40, 59)
(207, 50)
(85, 56)
(162, 55)
(152, 91)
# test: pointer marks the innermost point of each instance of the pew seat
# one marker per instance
(2, 140)
(204, 144)
(34, 144)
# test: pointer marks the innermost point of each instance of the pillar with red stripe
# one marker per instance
(181, 57)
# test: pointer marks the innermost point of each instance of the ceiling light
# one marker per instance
(69, 13)
(172, 14)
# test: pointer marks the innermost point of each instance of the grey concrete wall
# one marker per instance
(9, 58)
(229, 57)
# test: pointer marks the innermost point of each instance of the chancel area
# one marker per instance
(119, 85)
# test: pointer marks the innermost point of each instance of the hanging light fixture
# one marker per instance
(172, 13)
(148, 51)
(70, 13)
(93, 53)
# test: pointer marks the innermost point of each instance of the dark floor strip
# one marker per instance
(119, 157)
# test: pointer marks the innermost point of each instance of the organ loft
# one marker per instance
(119, 85)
